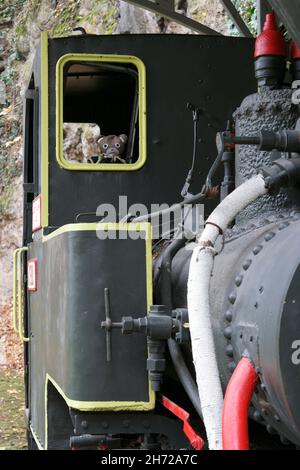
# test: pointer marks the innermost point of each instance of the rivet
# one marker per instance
(146, 424)
(276, 417)
(271, 430)
(126, 423)
(84, 424)
(239, 280)
(261, 289)
(256, 305)
(257, 250)
(228, 332)
(229, 350)
(104, 424)
(263, 387)
(232, 366)
(269, 236)
(228, 316)
(232, 298)
(247, 264)
(284, 441)
(257, 416)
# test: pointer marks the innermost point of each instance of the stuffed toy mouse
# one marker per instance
(112, 148)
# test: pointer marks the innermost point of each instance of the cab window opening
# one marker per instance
(100, 113)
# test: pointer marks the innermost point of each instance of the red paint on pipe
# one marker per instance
(236, 406)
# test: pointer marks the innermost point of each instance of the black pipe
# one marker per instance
(245, 140)
(180, 366)
(189, 201)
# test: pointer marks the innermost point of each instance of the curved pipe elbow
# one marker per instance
(236, 406)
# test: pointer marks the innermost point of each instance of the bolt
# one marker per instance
(269, 236)
(257, 250)
(228, 316)
(228, 332)
(229, 350)
(284, 441)
(271, 430)
(263, 387)
(232, 298)
(239, 280)
(284, 225)
(247, 264)
(257, 416)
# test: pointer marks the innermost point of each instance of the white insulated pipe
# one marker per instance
(201, 267)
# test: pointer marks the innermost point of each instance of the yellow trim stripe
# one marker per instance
(15, 290)
(39, 445)
(143, 227)
(20, 294)
(100, 406)
(120, 59)
(44, 130)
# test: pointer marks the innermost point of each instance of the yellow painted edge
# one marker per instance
(15, 290)
(39, 445)
(100, 406)
(20, 296)
(142, 112)
(44, 130)
(131, 227)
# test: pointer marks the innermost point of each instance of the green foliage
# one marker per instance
(9, 167)
(66, 17)
(9, 8)
(109, 20)
(247, 9)
(32, 10)
(108, 16)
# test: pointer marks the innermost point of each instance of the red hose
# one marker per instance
(236, 406)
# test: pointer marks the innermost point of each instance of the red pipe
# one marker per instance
(236, 406)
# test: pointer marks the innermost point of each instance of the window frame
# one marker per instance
(118, 59)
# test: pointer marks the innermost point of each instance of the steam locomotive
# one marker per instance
(138, 337)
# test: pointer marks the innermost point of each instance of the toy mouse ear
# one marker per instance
(99, 140)
(123, 138)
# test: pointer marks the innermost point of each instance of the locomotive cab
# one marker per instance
(87, 304)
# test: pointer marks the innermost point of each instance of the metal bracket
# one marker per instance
(166, 9)
(108, 325)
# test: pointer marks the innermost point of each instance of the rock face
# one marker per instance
(20, 25)
(80, 142)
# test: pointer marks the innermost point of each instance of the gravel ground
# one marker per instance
(12, 428)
